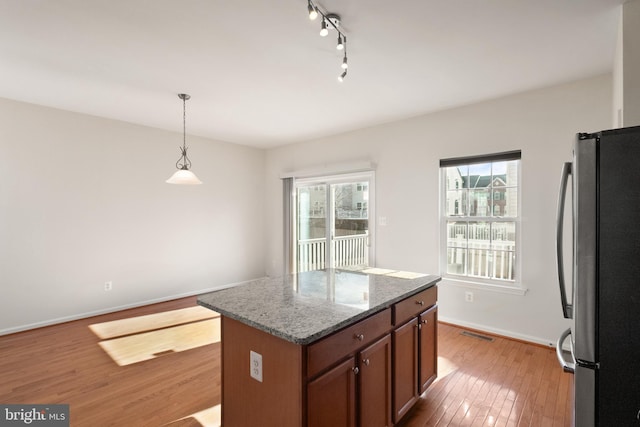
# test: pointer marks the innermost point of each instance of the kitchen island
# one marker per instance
(326, 348)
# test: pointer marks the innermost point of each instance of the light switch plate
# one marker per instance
(255, 361)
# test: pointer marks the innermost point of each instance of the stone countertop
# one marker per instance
(304, 307)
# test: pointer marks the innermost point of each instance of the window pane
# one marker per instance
(456, 202)
(510, 202)
(311, 212)
(456, 177)
(504, 201)
(479, 202)
(504, 265)
(456, 261)
(479, 255)
(503, 235)
(480, 175)
(456, 234)
(505, 174)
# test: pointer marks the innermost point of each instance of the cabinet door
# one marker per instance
(405, 368)
(428, 366)
(375, 384)
(331, 397)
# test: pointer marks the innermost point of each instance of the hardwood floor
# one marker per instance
(65, 364)
(499, 383)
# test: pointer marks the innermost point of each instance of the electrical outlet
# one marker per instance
(255, 368)
(108, 286)
(468, 296)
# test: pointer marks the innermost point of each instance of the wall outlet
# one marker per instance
(255, 368)
(108, 286)
(468, 296)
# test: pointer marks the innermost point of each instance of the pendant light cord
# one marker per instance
(184, 124)
(186, 163)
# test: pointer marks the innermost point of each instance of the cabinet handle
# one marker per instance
(359, 337)
(420, 302)
(424, 322)
(366, 362)
(355, 370)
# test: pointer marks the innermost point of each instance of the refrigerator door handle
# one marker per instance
(567, 309)
(566, 366)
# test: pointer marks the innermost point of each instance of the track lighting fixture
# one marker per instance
(313, 13)
(330, 21)
(342, 76)
(183, 175)
(324, 31)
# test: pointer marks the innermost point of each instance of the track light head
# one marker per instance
(345, 65)
(323, 29)
(342, 76)
(313, 13)
(340, 44)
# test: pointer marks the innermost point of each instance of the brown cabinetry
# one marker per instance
(414, 349)
(360, 385)
(331, 397)
(374, 384)
(405, 368)
(358, 390)
(367, 374)
(428, 362)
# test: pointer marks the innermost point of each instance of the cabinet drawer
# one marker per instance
(414, 305)
(324, 353)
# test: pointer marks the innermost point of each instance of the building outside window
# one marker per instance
(481, 218)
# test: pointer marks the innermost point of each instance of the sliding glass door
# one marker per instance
(332, 222)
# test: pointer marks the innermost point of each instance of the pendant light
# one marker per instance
(183, 175)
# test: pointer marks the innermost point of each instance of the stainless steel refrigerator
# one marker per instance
(604, 297)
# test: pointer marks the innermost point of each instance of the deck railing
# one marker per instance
(477, 250)
(348, 251)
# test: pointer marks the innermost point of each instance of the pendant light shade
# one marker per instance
(183, 175)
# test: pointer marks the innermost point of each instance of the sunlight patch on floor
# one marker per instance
(210, 417)
(150, 322)
(148, 345)
(445, 367)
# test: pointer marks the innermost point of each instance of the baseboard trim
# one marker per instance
(501, 333)
(87, 314)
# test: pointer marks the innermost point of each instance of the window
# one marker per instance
(480, 218)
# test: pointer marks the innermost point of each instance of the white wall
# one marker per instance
(631, 62)
(541, 123)
(83, 201)
(618, 78)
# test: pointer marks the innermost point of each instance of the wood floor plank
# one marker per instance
(504, 383)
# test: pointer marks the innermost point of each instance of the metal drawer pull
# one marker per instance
(359, 337)
(355, 370)
(424, 322)
(366, 362)
(420, 302)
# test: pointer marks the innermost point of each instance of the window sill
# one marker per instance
(514, 289)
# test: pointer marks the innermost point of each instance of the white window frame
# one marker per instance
(512, 287)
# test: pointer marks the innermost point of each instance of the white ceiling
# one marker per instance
(259, 74)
